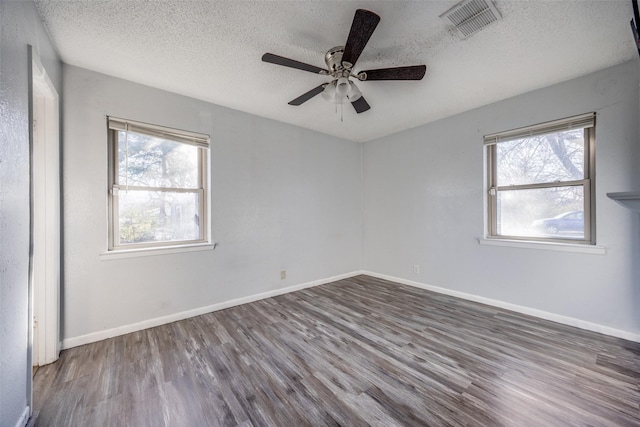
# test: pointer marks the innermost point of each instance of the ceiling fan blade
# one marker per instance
(281, 60)
(307, 96)
(360, 105)
(364, 23)
(413, 72)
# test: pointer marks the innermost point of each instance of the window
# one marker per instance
(157, 186)
(541, 182)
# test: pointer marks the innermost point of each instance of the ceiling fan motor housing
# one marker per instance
(333, 59)
(338, 68)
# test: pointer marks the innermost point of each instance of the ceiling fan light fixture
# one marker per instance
(329, 92)
(354, 93)
(342, 87)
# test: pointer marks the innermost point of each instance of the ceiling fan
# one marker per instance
(340, 61)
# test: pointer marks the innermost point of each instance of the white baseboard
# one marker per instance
(558, 318)
(24, 418)
(150, 323)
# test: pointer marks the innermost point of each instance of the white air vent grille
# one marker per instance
(471, 16)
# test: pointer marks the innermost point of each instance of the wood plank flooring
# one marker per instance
(360, 351)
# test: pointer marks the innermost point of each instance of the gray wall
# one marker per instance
(424, 204)
(283, 198)
(20, 26)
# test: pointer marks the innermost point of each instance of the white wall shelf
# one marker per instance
(630, 199)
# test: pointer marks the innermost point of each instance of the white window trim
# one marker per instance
(142, 252)
(584, 121)
(546, 246)
(202, 141)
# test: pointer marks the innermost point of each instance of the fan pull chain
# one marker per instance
(341, 108)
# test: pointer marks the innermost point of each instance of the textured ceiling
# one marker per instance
(211, 50)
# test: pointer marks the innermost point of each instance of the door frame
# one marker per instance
(45, 271)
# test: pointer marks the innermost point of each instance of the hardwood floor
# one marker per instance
(361, 351)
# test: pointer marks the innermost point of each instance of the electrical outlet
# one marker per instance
(416, 268)
(283, 274)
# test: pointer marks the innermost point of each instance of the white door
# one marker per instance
(45, 179)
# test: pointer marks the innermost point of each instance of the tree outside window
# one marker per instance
(158, 187)
(539, 182)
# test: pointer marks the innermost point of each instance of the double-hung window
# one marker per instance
(541, 182)
(157, 186)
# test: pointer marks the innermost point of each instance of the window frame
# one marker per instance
(200, 141)
(587, 122)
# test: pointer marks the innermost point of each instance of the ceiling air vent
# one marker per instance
(471, 16)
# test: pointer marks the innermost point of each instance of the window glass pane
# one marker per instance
(156, 162)
(551, 157)
(555, 212)
(158, 216)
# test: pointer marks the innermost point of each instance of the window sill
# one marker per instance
(547, 246)
(133, 253)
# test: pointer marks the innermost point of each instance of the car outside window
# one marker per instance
(541, 182)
